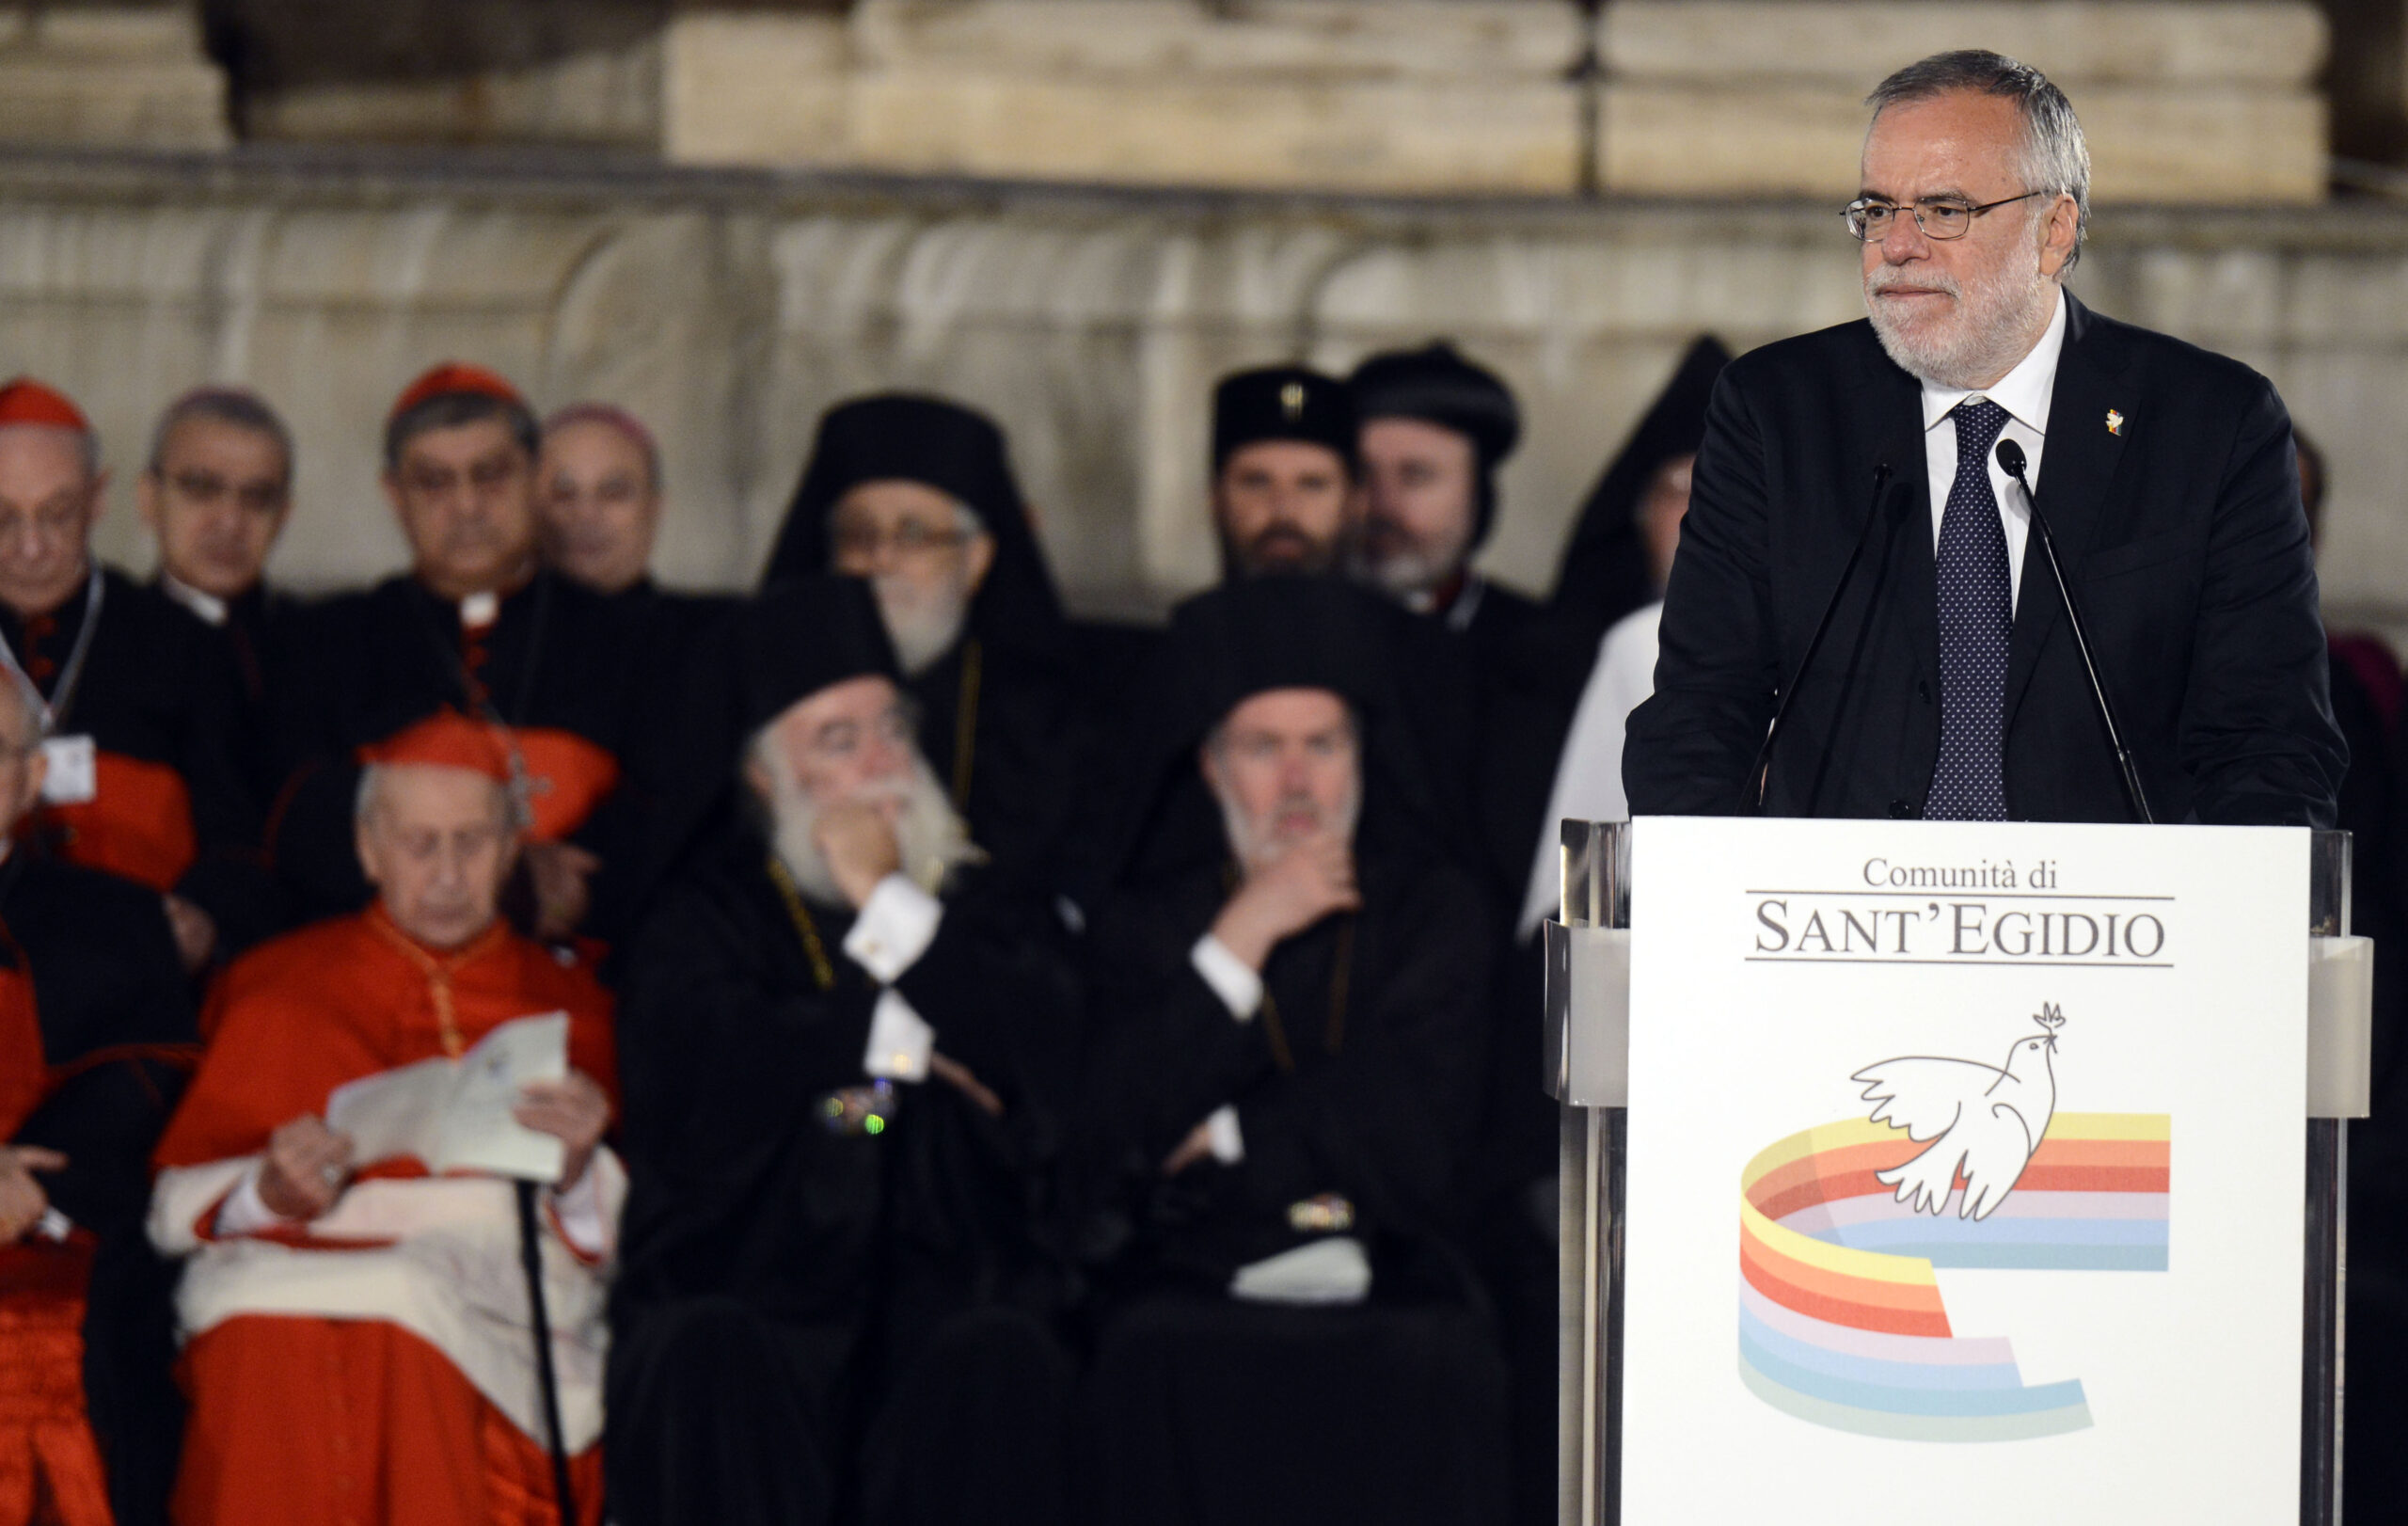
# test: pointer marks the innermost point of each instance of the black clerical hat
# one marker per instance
(801, 637)
(1284, 631)
(1605, 574)
(1282, 403)
(1435, 384)
(940, 444)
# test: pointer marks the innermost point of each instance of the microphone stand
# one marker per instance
(2010, 455)
(1760, 773)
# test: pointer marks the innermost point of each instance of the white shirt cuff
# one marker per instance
(578, 1210)
(245, 1212)
(1239, 987)
(895, 926)
(901, 1040)
(53, 1225)
(1221, 1131)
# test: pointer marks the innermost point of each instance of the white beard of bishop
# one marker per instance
(931, 839)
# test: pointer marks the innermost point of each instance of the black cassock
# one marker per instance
(812, 1316)
(1011, 741)
(118, 1040)
(161, 702)
(559, 659)
(1360, 1076)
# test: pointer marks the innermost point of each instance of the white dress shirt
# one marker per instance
(2024, 393)
(895, 928)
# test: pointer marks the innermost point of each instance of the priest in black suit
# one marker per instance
(1950, 684)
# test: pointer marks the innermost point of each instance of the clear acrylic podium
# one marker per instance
(1587, 1017)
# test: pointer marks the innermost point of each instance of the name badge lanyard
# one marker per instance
(54, 710)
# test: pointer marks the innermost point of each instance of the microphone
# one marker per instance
(1760, 773)
(2010, 457)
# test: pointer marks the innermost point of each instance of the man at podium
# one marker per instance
(1865, 619)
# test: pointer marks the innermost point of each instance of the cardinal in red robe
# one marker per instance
(96, 1037)
(358, 1332)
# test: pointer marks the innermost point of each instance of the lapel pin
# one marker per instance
(2114, 422)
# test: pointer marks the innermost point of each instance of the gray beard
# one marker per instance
(1253, 849)
(1404, 575)
(931, 838)
(1983, 341)
(921, 636)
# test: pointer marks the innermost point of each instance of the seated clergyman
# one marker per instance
(842, 1036)
(1289, 1057)
(96, 1034)
(358, 1334)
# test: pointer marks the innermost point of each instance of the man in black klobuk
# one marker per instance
(1285, 485)
(1950, 684)
(916, 494)
(1433, 429)
(1282, 1085)
(843, 1044)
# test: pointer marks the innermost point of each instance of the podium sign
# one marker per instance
(1964, 1166)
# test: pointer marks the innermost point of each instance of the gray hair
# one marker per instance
(236, 406)
(371, 782)
(2057, 159)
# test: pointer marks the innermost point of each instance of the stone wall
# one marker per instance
(2184, 101)
(730, 309)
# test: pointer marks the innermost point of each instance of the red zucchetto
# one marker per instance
(26, 401)
(447, 740)
(455, 376)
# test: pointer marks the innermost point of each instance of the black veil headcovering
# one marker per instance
(943, 445)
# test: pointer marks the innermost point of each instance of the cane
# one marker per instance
(530, 1259)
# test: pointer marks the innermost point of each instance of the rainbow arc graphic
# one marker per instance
(1841, 1322)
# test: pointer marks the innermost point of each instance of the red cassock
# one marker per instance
(96, 1040)
(46, 1441)
(375, 1365)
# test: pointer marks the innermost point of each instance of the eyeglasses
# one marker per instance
(257, 495)
(910, 538)
(1869, 219)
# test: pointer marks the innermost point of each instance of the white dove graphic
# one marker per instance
(1982, 1122)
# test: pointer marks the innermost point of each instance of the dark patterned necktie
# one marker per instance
(1976, 612)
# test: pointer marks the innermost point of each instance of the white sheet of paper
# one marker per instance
(455, 1115)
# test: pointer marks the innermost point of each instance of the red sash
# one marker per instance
(137, 824)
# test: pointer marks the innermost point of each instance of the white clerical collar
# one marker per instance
(481, 609)
(2024, 393)
(211, 609)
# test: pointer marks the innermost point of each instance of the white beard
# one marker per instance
(1254, 849)
(932, 840)
(1979, 341)
(923, 627)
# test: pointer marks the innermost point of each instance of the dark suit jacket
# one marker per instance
(2183, 538)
